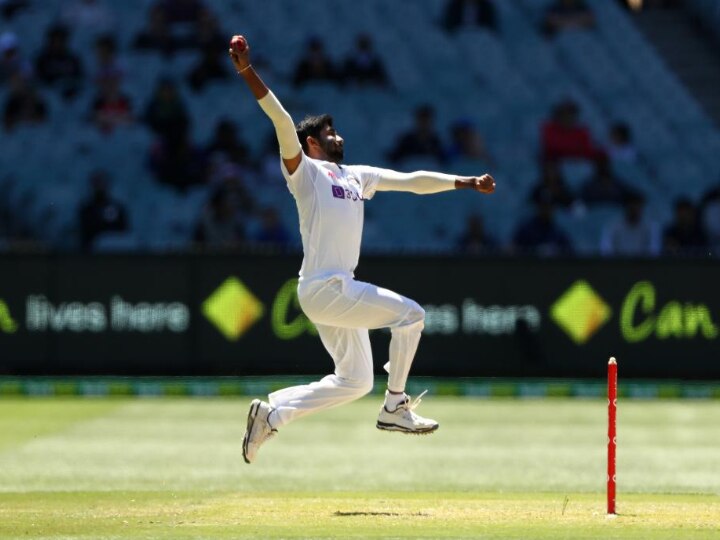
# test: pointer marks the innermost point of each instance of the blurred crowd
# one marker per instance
(233, 217)
(175, 158)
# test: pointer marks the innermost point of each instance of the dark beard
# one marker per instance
(335, 154)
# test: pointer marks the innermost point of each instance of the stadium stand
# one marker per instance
(709, 13)
(504, 81)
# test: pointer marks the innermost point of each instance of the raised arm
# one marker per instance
(425, 182)
(290, 148)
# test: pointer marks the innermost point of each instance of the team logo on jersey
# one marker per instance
(340, 192)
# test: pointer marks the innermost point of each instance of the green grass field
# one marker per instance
(524, 469)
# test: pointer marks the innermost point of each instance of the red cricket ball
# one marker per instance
(238, 43)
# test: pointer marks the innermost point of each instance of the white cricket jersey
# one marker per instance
(330, 201)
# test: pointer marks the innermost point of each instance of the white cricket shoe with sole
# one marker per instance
(258, 429)
(404, 419)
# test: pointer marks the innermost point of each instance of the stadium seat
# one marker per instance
(505, 81)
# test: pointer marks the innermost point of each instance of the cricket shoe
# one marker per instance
(404, 419)
(258, 429)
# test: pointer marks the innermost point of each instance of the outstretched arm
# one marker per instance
(425, 183)
(290, 148)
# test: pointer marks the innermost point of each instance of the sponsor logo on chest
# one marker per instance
(342, 192)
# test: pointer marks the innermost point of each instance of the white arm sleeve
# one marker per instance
(284, 127)
(420, 182)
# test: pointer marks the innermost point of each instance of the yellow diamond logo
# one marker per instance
(7, 324)
(232, 308)
(580, 311)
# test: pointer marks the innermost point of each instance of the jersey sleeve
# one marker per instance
(369, 178)
(304, 176)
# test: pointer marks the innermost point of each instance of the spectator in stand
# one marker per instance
(363, 66)
(182, 11)
(111, 107)
(552, 187)
(211, 67)
(564, 137)
(568, 15)
(230, 180)
(10, 8)
(57, 65)
(421, 141)
(178, 162)
(23, 105)
(166, 113)
(107, 65)
(710, 216)
(684, 236)
(272, 232)
(92, 16)
(11, 61)
(604, 187)
(208, 34)
(192, 24)
(219, 227)
(315, 65)
(100, 212)
(157, 35)
(632, 234)
(475, 240)
(467, 143)
(638, 5)
(227, 143)
(621, 148)
(540, 234)
(469, 13)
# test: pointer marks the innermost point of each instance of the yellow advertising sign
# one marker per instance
(7, 323)
(232, 308)
(580, 312)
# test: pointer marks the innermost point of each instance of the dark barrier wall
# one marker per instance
(239, 315)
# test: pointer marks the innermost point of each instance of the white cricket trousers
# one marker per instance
(343, 311)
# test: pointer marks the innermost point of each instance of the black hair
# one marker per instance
(106, 41)
(217, 199)
(683, 202)
(311, 126)
(634, 197)
(425, 110)
(58, 30)
(622, 130)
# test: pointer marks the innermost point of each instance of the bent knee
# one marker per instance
(415, 317)
(419, 313)
(358, 383)
(365, 386)
(361, 386)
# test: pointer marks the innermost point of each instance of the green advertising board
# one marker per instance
(239, 316)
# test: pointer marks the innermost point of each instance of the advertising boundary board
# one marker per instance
(238, 315)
